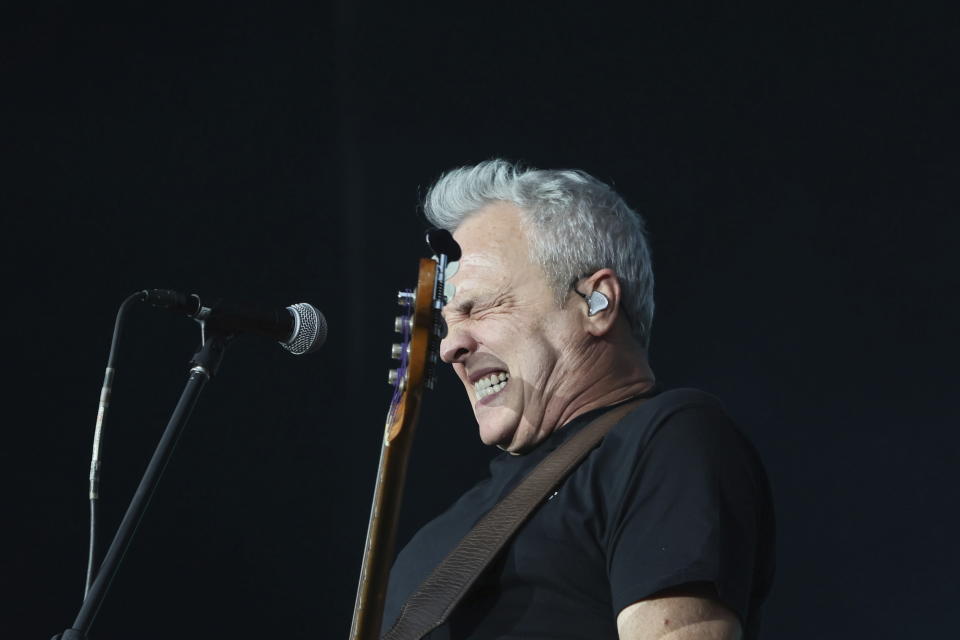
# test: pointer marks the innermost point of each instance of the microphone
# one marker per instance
(300, 328)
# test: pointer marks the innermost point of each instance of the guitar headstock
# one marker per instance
(421, 328)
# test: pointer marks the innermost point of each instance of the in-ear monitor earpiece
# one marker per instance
(596, 302)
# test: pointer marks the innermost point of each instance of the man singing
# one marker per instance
(665, 530)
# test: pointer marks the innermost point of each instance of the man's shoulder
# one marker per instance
(645, 420)
(680, 423)
(675, 399)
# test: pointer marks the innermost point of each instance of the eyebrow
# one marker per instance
(463, 306)
(476, 299)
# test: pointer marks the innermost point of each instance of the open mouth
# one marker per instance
(491, 384)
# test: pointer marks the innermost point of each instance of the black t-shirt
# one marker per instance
(674, 494)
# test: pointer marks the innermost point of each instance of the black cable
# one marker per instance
(98, 432)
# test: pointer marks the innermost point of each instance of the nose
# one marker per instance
(458, 344)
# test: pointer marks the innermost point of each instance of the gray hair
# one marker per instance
(579, 224)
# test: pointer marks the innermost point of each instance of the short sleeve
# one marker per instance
(689, 507)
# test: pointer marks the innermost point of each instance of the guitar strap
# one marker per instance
(438, 595)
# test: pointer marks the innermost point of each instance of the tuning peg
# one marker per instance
(405, 298)
(393, 375)
(397, 351)
(403, 323)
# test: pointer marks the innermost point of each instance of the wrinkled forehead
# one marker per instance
(479, 272)
(495, 248)
(495, 232)
(479, 262)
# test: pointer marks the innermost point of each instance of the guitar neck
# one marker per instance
(420, 341)
(381, 533)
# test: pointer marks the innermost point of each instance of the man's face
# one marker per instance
(508, 341)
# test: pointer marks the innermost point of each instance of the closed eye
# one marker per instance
(474, 307)
(459, 310)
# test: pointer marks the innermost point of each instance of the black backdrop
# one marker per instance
(796, 167)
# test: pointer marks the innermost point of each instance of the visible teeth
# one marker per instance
(490, 384)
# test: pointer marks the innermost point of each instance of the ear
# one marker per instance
(606, 284)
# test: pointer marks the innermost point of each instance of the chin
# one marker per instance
(495, 431)
(491, 434)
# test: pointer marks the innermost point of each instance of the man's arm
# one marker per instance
(684, 613)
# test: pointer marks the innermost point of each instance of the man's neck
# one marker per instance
(608, 398)
(611, 375)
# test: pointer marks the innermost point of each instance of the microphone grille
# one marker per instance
(311, 329)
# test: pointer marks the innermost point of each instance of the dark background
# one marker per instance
(796, 167)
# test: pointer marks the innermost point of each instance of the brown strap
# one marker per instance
(450, 581)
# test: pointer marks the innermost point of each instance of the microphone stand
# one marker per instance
(203, 366)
